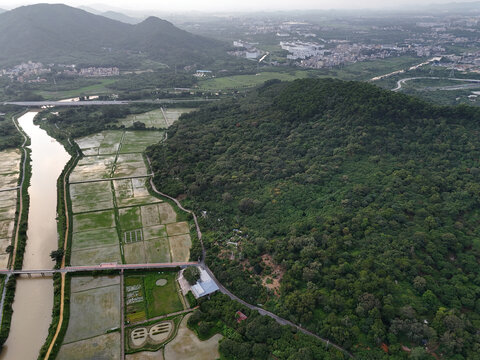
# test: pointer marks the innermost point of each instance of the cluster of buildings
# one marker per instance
(246, 50)
(99, 72)
(34, 72)
(26, 72)
(317, 44)
(318, 57)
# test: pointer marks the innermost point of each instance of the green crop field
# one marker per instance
(95, 89)
(246, 81)
(145, 296)
(93, 220)
(94, 238)
(91, 196)
(152, 118)
(138, 141)
(130, 218)
(164, 299)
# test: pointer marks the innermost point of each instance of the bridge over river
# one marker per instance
(101, 267)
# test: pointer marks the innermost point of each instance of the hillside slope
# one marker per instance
(363, 204)
(59, 33)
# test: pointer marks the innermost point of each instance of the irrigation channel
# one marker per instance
(34, 296)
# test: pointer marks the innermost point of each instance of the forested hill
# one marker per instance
(363, 202)
(62, 34)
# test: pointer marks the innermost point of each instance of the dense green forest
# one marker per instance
(363, 204)
(255, 337)
(9, 136)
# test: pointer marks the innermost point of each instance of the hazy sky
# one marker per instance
(229, 5)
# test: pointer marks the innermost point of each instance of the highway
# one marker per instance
(402, 82)
(101, 103)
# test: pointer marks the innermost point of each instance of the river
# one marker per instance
(34, 297)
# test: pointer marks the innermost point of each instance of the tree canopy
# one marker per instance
(349, 209)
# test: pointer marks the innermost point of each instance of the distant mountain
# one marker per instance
(114, 15)
(121, 17)
(455, 7)
(62, 34)
(2, 11)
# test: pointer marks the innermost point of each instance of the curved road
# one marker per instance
(401, 82)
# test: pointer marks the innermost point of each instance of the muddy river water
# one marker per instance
(34, 296)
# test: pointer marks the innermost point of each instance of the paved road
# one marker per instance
(111, 178)
(402, 82)
(103, 267)
(102, 103)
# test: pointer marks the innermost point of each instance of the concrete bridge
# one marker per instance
(101, 267)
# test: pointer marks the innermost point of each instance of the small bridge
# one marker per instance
(101, 267)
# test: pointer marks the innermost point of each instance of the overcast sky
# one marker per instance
(231, 5)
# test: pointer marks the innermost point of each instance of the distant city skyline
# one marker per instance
(230, 5)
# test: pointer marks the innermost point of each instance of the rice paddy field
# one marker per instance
(152, 118)
(9, 168)
(9, 176)
(94, 314)
(159, 118)
(115, 218)
(173, 114)
(151, 234)
(95, 238)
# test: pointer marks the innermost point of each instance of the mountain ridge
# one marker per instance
(60, 33)
(361, 204)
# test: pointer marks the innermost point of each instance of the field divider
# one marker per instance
(112, 178)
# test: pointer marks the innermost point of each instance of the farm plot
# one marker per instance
(152, 118)
(90, 144)
(9, 168)
(130, 165)
(138, 141)
(94, 307)
(187, 345)
(130, 192)
(100, 347)
(173, 114)
(110, 143)
(149, 235)
(105, 142)
(151, 294)
(91, 196)
(8, 205)
(95, 239)
(93, 168)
